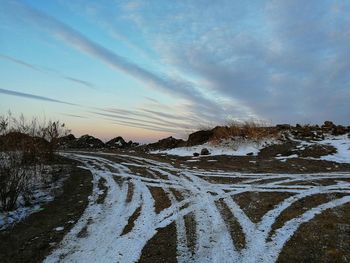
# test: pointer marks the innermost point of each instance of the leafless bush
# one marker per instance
(16, 179)
(24, 147)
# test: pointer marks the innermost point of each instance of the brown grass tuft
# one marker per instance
(248, 130)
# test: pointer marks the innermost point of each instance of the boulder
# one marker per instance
(199, 137)
(205, 151)
(195, 154)
(167, 143)
(328, 124)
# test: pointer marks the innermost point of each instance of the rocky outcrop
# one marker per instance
(86, 142)
(314, 132)
(66, 141)
(117, 142)
(167, 143)
(120, 143)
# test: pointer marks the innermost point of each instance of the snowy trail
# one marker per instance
(117, 228)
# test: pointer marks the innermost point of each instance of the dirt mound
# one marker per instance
(18, 140)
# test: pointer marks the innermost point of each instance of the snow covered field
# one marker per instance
(104, 223)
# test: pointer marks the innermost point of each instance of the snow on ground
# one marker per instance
(286, 157)
(225, 148)
(40, 197)
(104, 222)
(342, 144)
(42, 194)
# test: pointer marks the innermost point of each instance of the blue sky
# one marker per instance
(149, 69)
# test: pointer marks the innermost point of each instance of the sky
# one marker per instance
(150, 69)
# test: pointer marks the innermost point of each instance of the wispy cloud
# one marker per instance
(79, 81)
(143, 120)
(21, 62)
(182, 88)
(32, 96)
(46, 70)
(74, 115)
(284, 60)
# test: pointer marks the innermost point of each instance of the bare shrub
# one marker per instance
(24, 147)
(16, 178)
(51, 132)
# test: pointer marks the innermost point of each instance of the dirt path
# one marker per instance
(146, 205)
(34, 238)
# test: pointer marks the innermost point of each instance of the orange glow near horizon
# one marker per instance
(106, 132)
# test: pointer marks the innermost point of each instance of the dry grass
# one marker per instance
(248, 130)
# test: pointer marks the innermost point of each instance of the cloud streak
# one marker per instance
(46, 71)
(204, 107)
(34, 97)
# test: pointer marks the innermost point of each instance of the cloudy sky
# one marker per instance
(149, 69)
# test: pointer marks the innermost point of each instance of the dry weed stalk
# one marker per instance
(248, 130)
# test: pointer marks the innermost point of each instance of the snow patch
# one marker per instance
(342, 144)
(225, 148)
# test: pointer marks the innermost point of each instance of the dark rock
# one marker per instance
(66, 141)
(250, 154)
(328, 124)
(195, 154)
(308, 132)
(339, 130)
(205, 151)
(117, 142)
(283, 126)
(132, 144)
(87, 141)
(167, 143)
(199, 137)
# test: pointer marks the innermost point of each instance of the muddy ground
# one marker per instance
(33, 238)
